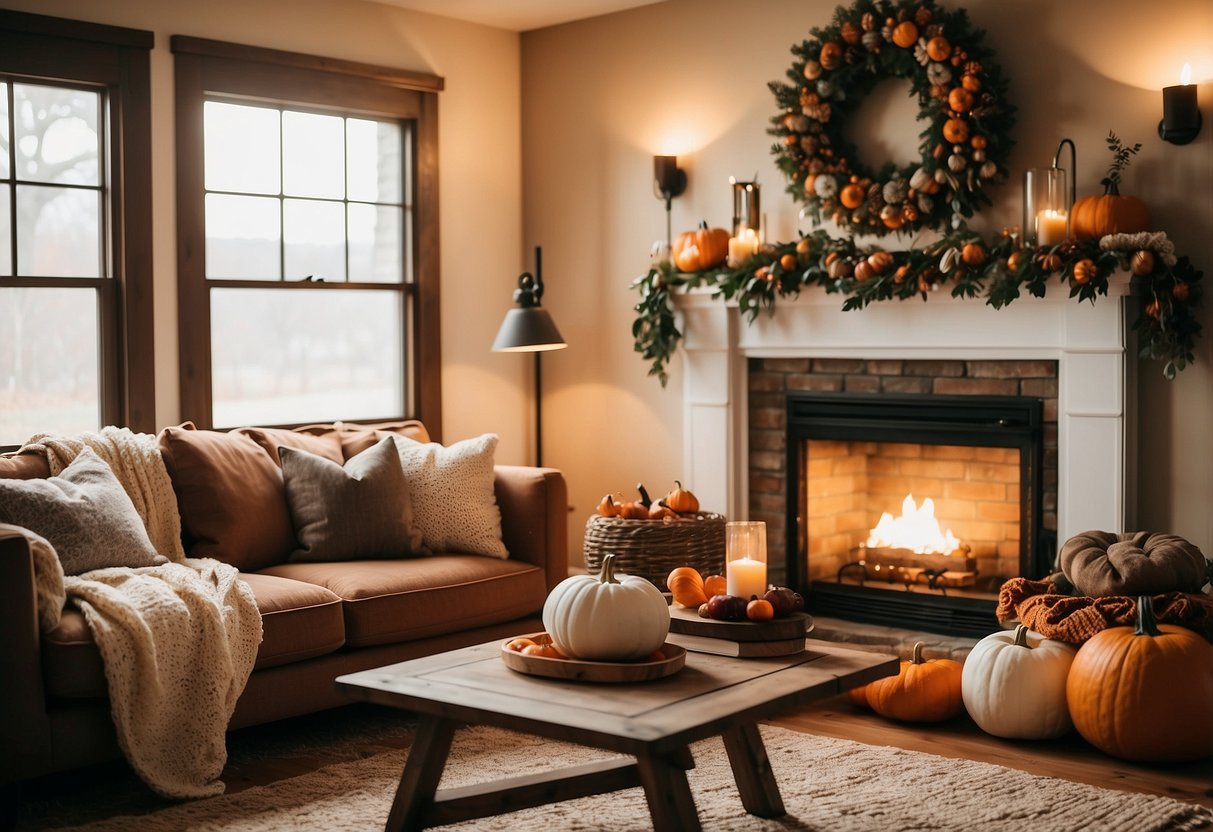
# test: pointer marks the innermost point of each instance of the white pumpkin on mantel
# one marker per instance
(1014, 685)
(606, 618)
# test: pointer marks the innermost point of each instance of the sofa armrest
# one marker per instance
(534, 505)
(25, 729)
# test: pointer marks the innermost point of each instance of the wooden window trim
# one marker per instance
(204, 67)
(116, 59)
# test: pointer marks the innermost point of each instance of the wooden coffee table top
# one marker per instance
(710, 694)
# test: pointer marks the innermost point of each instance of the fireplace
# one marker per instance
(1076, 360)
(857, 467)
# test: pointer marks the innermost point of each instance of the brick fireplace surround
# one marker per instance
(1076, 356)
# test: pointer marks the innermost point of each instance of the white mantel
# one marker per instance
(1090, 342)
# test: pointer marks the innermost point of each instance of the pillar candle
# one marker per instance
(746, 577)
(1050, 227)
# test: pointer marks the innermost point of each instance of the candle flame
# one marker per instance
(1185, 75)
(916, 529)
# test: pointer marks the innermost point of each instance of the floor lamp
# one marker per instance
(529, 328)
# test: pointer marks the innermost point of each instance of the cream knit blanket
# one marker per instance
(178, 641)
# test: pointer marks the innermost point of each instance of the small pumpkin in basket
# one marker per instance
(681, 500)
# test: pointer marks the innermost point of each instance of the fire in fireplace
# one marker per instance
(914, 509)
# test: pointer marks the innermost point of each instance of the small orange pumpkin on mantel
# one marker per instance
(925, 690)
(701, 249)
(1093, 217)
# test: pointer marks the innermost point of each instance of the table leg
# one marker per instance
(422, 770)
(752, 771)
(668, 793)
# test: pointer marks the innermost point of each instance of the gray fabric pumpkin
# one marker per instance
(1134, 563)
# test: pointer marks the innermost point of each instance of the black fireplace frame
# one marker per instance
(989, 421)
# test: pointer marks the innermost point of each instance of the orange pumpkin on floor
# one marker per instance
(926, 690)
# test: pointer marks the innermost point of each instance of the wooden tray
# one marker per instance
(576, 670)
(796, 625)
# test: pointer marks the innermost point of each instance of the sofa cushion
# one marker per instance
(84, 513)
(17, 466)
(452, 487)
(355, 438)
(230, 495)
(271, 439)
(359, 510)
(299, 621)
(403, 600)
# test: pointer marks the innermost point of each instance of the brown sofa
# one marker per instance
(320, 620)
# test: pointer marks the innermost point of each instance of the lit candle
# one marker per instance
(1050, 227)
(742, 247)
(746, 577)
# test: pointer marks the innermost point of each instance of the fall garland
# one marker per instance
(962, 100)
(961, 95)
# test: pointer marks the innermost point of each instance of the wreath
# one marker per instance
(961, 95)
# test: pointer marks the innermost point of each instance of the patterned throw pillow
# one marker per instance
(84, 513)
(452, 488)
(359, 511)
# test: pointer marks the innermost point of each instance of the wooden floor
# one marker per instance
(1070, 758)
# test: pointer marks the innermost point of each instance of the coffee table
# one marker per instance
(652, 722)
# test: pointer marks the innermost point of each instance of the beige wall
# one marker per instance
(600, 97)
(480, 178)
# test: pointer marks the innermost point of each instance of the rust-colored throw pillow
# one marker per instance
(271, 439)
(454, 501)
(356, 437)
(1134, 563)
(84, 513)
(24, 467)
(358, 511)
(229, 492)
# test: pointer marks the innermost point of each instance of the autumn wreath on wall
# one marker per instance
(962, 100)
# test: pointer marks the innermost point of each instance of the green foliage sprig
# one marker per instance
(1121, 156)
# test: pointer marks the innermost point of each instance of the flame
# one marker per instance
(1185, 75)
(916, 529)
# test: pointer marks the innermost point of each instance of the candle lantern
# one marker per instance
(1048, 194)
(746, 211)
(1180, 115)
(745, 551)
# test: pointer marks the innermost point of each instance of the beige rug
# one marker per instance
(827, 784)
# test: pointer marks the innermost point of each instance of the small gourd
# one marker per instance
(1014, 685)
(1144, 693)
(682, 500)
(925, 690)
(686, 587)
(605, 617)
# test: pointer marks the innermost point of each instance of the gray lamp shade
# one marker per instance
(528, 329)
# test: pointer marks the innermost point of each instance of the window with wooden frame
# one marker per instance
(307, 222)
(75, 228)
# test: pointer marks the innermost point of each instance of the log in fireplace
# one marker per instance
(976, 465)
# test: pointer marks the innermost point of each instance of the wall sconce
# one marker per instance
(1180, 115)
(529, 328)
(1048, 194)
(669, 181)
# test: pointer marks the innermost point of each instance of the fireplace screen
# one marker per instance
(914, 509)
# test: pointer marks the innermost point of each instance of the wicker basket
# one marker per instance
(653, 548)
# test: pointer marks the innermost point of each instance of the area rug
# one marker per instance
(827, 784)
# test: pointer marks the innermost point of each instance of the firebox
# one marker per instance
(914, 509)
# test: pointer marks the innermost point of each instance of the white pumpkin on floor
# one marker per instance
(605, 617)
(1014, 685)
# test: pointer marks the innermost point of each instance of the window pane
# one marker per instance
(315, 239)
(6, 232)
(281, 356)
(3, 130)
(58, 232)
(49, 362)
(313, 152)
(241, 148)
(242, 237)
(56, 134)
(374, 160)
(375, 251)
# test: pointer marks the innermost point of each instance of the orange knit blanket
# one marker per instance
(1075, 618)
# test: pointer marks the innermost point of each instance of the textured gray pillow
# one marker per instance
(84, 513)
(359, 511)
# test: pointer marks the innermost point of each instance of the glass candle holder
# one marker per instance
(745, 552)
(1046, 206)
(746, 211)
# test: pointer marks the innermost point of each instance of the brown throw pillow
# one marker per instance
(353, 512)
(230, 496)
(84, 513)
(356, 437)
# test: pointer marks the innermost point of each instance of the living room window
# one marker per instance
(307, 224)
(75, 227)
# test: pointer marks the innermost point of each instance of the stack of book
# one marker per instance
(743, 639)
